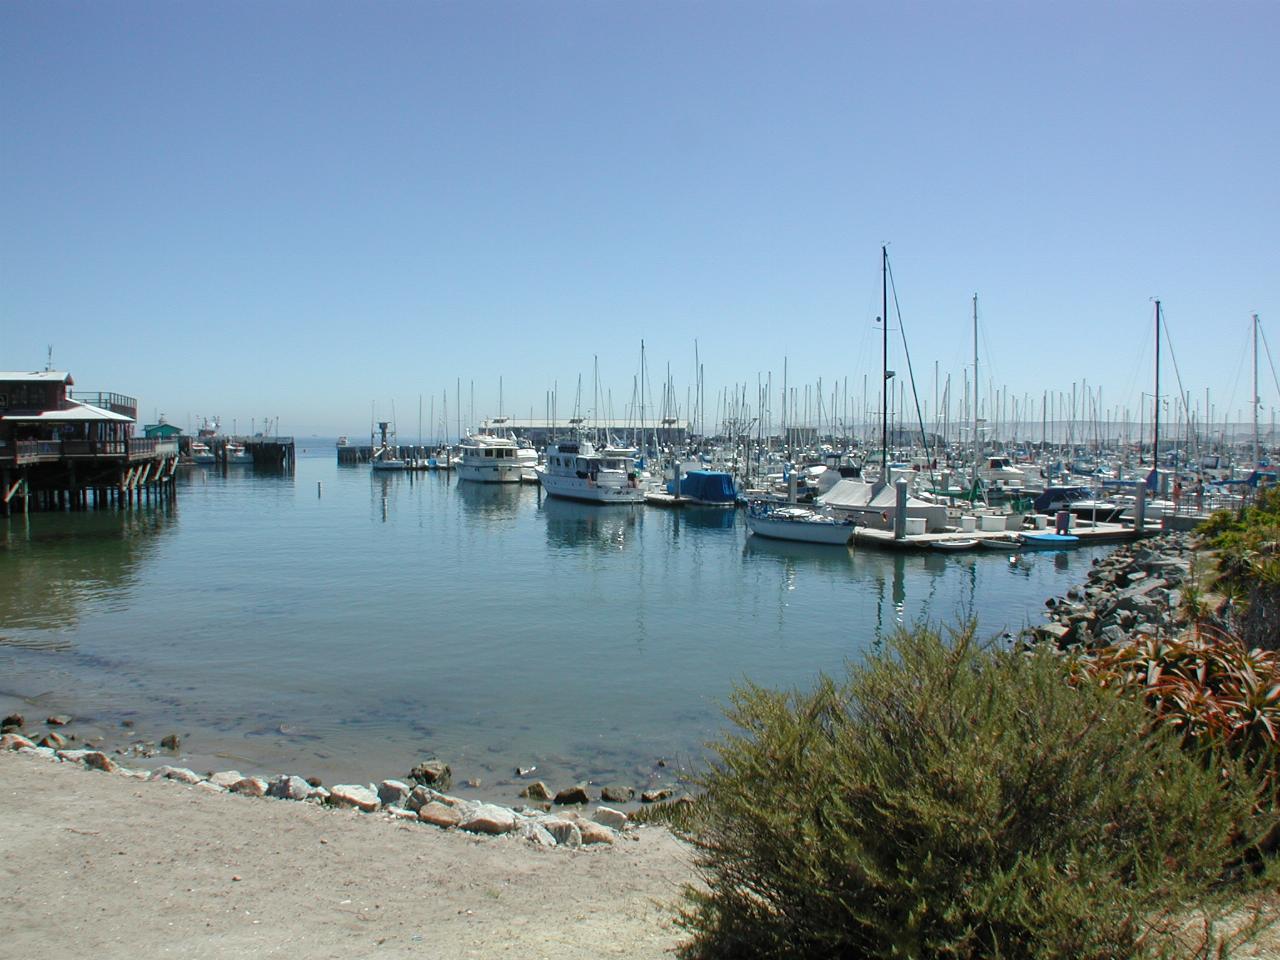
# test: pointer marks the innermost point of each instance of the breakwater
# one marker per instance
(1138, 590)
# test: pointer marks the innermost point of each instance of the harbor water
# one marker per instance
(345, 624)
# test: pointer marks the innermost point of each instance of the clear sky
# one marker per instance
(297, 209)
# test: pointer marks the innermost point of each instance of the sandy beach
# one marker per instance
(102, 865)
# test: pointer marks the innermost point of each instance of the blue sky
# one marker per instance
(297, 209)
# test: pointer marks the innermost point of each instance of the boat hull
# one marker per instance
(588, 491)
(490, 472)
(834, 533)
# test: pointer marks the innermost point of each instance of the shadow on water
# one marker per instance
(54, 564)
(604, 527)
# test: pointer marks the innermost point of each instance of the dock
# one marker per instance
(1088, 534)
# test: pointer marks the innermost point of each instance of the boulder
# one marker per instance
(565, 832)
(58, 720)
(97, 760)
(439, 814)
(617, 794)
(536, 834)
(595, 832)
(171, 742)
(286, 787)
(210, 786)
(432, 773)
(52, 739)
(181, 774)
(420, 796)
(656, 796)
(574, 794)
(352, 795)
(400, 813)
(14, 720)
(609, 817)
(250, 787)
(488, 818)
(226, 778)
(392, 793)
(537, 791)
(15, 741)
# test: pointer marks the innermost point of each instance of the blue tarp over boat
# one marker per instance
(706, 486)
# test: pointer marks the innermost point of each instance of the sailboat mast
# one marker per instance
(976, 446)
(1155, 441)
(884, 364)
(1257, 459)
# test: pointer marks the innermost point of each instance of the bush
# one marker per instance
(947, 800)
(1216, 695)
(1248, 547)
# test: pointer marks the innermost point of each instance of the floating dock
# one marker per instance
(1086, 534)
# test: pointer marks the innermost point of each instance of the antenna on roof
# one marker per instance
(48, 364)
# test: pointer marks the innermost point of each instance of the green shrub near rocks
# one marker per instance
(950, 800)
(1248, 548)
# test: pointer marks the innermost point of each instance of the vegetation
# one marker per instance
(1248, 548)
(1220, 698)
(950, 800)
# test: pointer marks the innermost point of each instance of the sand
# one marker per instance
(100, 865)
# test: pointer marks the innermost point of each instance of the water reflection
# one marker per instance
(53, 564)
(607, 528)
(706, 518)
(491, 501)
(813, 556)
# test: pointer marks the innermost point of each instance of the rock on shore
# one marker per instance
(391, 798)
(1136, 590)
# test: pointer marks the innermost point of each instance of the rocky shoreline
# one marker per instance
(563, 819)
(1138, 590)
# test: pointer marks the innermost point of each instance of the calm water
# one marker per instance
(348, 634)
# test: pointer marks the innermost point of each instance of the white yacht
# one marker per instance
(575, 470)
(488, 458)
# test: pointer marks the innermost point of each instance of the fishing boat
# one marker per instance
(575, 470)
(800, 524)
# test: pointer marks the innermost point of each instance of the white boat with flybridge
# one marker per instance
(575, 470)
(488, 457)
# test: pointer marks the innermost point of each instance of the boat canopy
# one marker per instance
(709, 486)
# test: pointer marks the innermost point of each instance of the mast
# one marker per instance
(976, 448)
(884, 364)
(1256, 402)
(1155, 441)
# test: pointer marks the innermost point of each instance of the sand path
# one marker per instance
(100, 865)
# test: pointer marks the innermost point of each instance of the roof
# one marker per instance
(37, 376)
(77, 413)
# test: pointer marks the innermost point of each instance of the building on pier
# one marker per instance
(59, 450)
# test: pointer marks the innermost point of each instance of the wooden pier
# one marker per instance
(60, 453)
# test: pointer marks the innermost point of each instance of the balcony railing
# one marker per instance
(44, 451)
(115, 402)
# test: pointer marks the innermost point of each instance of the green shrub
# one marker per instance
(1248, 548)
(951, 801)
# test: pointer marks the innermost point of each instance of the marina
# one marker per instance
(345, 623)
